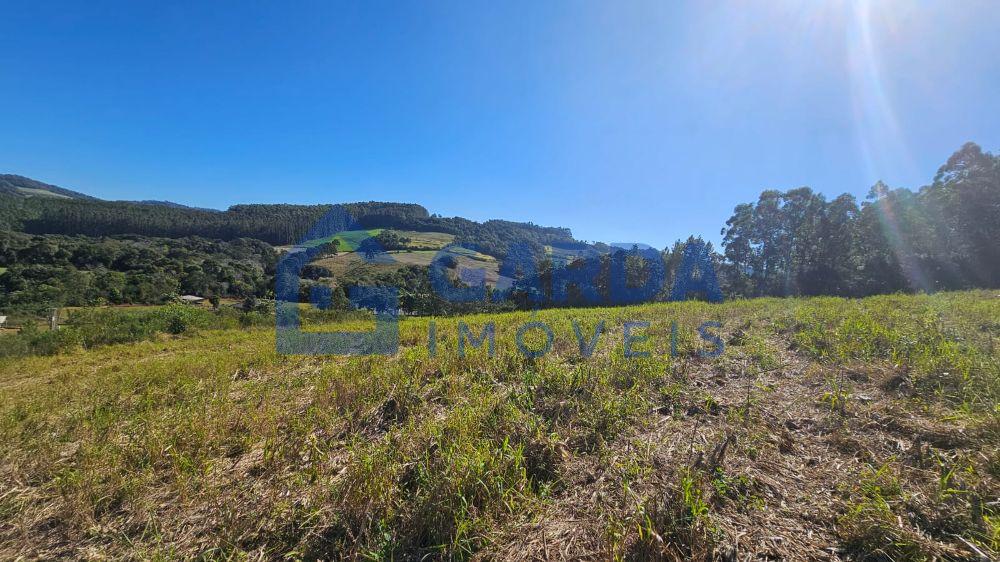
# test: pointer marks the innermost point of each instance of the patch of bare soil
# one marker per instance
(779, 469)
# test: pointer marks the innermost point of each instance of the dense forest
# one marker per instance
(68, 249)
(55, 270)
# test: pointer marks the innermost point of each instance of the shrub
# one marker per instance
(34, 341)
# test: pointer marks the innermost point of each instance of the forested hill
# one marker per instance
(275, 224)
(60, 248)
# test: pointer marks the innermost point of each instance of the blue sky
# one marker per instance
(637, 121)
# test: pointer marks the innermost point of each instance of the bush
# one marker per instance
(179, 319)
(34, 341)
(106, 327)
(92, 327)
(254, 318)
(56, 341)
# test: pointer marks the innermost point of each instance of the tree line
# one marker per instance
(941, 237)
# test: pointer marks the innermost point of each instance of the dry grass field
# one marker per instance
(426, 240)
(828, 429)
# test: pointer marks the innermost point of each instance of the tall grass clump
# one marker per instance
(945, 342)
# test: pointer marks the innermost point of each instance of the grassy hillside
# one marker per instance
(427, 240)
(828, 429)
(20, 186)
(349, 239)
(349, 267)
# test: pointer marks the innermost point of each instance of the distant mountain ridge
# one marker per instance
(35, 207)
(20, 186)
(172, 205)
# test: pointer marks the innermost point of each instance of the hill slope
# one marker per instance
(20, 186)
(71, 213)
(64, 248)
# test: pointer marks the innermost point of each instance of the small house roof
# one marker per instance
(192, 298)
